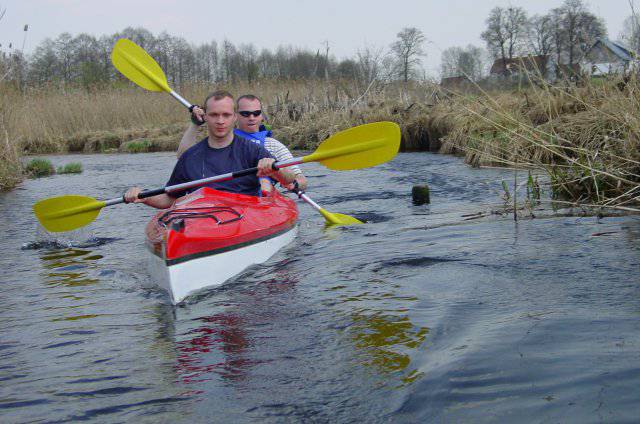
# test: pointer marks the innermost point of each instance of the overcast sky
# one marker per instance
(346, 24)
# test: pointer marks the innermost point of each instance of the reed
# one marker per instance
(587, 138)
(10, 166)
(68, 119)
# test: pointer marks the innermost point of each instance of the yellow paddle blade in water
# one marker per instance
(66, 213)
(333, 218)
(136, 64)
(358, 147)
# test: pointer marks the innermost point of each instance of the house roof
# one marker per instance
(616, 48)
(528, 63)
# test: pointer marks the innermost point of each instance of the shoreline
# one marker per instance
(586, 138)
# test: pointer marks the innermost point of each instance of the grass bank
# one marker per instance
(586, 138)
(55, 120)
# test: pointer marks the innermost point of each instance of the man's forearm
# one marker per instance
(161, 201)
(284, 176)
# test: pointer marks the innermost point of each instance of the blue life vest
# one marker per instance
(257, 137)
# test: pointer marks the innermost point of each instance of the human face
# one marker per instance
(249, 124)
(220, 117)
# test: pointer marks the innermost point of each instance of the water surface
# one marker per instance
(448, 312)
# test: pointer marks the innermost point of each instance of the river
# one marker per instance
(449, 312)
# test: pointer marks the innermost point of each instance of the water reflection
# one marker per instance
(198, 354)
(68, 267)
(68, 271)
(382, 331)
(216, 334)
(384, 339)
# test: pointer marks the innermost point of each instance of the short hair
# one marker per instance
(247, 97)
(218, 95)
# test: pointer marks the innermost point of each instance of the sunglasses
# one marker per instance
(248, 113)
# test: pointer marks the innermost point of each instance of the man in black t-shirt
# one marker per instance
(220, 153)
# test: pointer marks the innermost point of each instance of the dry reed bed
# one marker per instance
(587, 138)
(10, 169)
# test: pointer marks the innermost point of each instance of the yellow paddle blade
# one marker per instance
(338, 218)
(66, 213)
(358, 147)
(136, 64)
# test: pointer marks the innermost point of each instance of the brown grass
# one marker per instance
(587, 138)
(10, 167)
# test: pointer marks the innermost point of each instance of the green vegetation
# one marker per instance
(137, 146)
(70, 168)
(39, 168)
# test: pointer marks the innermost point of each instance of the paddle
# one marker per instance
(332, 218)
(137, 65)
(355, 148)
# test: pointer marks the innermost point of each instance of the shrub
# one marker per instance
(39, 168)
(137, 146)
(70, 168)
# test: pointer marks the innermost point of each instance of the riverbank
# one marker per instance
(586, 138)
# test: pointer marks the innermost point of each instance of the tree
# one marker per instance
(408, 50)
(248, 56)
(458, 61)
(575, 30)
(370, 63)
(630, 34)
(348, 69)
(206, 62)
(541, 34)
(44, 63)
(506, 32)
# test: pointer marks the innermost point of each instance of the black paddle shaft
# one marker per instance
(249, 171)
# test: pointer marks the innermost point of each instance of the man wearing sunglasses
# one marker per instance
(250, 127)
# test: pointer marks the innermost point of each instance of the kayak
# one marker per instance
(209, 236)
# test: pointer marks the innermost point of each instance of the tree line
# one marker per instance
(565, 33)
(85, 59)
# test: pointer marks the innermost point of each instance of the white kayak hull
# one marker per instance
(183, 279)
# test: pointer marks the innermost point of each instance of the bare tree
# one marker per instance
(541, 34)
(506, 32)
(248, 56)
(577, 29)
(458, 61)
(370, 63)
(630, 34)
(408, 51)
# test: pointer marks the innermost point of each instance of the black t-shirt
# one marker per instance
(202, 161)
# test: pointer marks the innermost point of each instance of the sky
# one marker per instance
(348, 25)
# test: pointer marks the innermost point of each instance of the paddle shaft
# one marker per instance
(217, 178)
(181, 99)
(302, 195)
